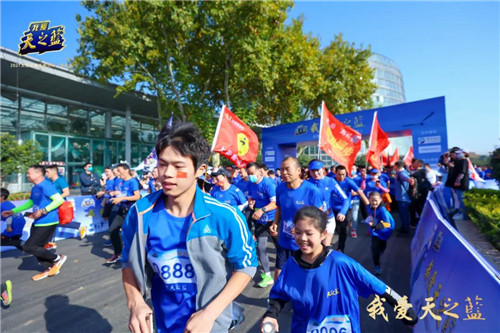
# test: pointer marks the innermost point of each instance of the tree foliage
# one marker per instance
(16, 157)
(495, 164)
(197, 55)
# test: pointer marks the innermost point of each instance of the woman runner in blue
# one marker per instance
(323, 285)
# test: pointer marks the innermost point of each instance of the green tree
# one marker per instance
(16, 157)
(495, 164)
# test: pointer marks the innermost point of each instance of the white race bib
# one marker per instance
(331, 324)
(175, 270)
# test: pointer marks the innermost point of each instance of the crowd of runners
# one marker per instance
(197, 238)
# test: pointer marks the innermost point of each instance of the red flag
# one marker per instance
(408, 157)
(394, 158)
(235, 140)
(385, 158)
(473, 173)
(338, 140)
(378, 142)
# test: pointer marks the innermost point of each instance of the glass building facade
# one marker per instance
(79, 129)
(389, 81)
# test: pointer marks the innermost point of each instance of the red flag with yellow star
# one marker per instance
(235, 140)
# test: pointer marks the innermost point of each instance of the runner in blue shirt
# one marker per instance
(45, 200)
(123, 199)
(356, 204)
(262, 200)
(374, 184)
(381, 226)
(291, 195)
(226, 192)
(402, 194)
(349, 187)
(11, 236)
(323, 285)
(109, 186)
(327, 186)
(200, 250)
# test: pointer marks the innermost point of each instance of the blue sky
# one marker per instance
(446, 49)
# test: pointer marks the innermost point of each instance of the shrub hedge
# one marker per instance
(483, 207)
(19, 196)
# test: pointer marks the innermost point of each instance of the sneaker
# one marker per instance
(82, 230)
(113, 259)
(41, 275)
(7, 294)
(50, 246)
(57, 265)
(354, 234)
(266, 281)
(108, 243)
(378, 270)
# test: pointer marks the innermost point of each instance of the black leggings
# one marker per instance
(115, 224)
(12, 241)
(39, 236)
(378, 247)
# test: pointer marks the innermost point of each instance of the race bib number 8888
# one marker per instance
(175, 269)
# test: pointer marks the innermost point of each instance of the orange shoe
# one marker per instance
(50, 246)
(41, 275)
(57, 265)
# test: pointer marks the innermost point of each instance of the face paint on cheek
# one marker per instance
(182, 174)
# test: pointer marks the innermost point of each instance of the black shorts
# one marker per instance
(282, 256)
(262, 230)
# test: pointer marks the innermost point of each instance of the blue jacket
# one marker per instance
(384, 221)
(218, 243)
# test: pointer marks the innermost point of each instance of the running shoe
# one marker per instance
(266, 281)
(50, 246)
(108, 243)
(82, 230)
(41, 275)
(113, 259)
(57, 265)
(7, 294)
(354, 234)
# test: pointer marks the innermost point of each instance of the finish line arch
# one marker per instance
(424, 120)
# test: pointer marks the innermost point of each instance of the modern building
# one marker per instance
(389, 81)
(390, 91)
(75, 120)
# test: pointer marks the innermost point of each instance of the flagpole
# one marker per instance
(218, 127)
(321, 126)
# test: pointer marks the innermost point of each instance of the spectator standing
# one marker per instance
(89, 182)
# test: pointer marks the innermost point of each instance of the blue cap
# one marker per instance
(373, 171)
(315, 165)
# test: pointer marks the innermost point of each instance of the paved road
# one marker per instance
(88, 297)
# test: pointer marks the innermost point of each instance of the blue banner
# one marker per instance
(454, 289)
(424, 120)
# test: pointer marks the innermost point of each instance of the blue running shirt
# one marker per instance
(262, 193)
(325, 298)
(174, 282)
(290, 201)
(233, 196)
(40, 194)
(127, 190)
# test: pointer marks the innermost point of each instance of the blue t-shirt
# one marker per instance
(109, 186)
(233, 196)
(244, 186)
(326, 296)
(60, 184)
(338, 202)
(263, 193)
(118, 184)
(151, 185)
(372, 187)
(326, 186)
(401, 186)
(127, 189)
(174, 286)
(377, 216)
(40, 195)
(18, 220)
(290, 201)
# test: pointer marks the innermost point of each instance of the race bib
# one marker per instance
(287, 227)
(175, 270)
(331, 324)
